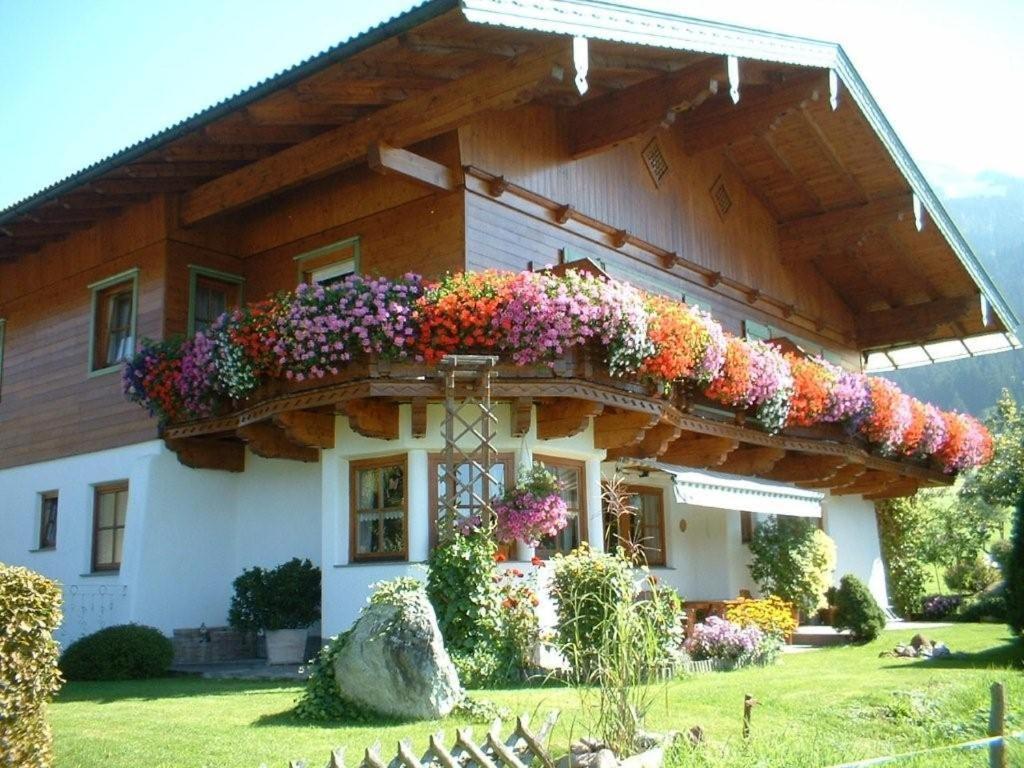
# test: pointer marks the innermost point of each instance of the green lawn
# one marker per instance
(816, 709)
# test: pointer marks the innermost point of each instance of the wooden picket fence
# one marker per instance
(519, 750)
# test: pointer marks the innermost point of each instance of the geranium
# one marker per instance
(732, 386)
(688, 344)
(888, 416)
(915, 429)
(934, 433)
(849, 400)
(814, 380)
(457, 314)
(198, 373)
(325, 327)
(151, 376)
(532, 510)
(968, 443)
(755, 376)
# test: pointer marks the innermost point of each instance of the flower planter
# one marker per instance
(286, 646)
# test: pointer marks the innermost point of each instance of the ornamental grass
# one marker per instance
(533, 318)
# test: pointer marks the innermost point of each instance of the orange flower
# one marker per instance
(731, 387)
(812, 386)
(499, 557)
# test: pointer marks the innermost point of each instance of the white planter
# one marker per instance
(286, 646)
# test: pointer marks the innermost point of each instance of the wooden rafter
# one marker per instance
(654, 443)
(700, 451)
(721, 123)
(522, 415)
(844, 475)
(912, 322)
(623, 428)
(209, 453)
(270, 441)
(829, 150)
(415, 119)
(798, 238)
(602, 123)
(797, 467)
(372, 417)
(755, 460)
(385, 159)
(565, 417)
(307, 428)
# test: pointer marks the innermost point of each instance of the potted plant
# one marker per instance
(532, 509)
(281, 602)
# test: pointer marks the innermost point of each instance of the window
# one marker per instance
(573, 475)
(644, 530)
(211, 294)
(112, 337)
(329, 264)
(379, 508)
(749, 522)
(109, 512)
(48, 520)
(502, 471)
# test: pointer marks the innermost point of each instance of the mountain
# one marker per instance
(992, 220)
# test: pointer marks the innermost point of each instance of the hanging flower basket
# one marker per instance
(532, 509)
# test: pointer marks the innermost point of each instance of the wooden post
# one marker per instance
(749, 702)
(996, 727)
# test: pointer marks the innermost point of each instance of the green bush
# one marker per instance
(794, 560)
(29, 613)
(987, 606)
(122, 652)
(586, 586)
(1015, 573)
(972, 575)
(857, 611)
(1000, 552)
(285, 597)
(901, 525)
(461, 587)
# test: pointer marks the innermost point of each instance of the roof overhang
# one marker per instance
(617, 23)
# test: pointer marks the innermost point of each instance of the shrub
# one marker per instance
(1000, 552)
(939, 607)
(988, 606)
(122, 652)
(586, 587)
(1015, 573)
(972, 575)
(722, 640)
(772, 615)
(461, 587)
(857, 611)
(901, 524)
(29, 612)
(285, 597)
(794, 560)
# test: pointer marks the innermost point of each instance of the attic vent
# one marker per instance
(720, 196)
(655, 161)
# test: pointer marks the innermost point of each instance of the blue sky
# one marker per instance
(84, 79)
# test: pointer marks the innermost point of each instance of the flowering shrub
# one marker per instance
(535, 318)
(937, 607)
(772, 615)
(717, 638)
(532, 510)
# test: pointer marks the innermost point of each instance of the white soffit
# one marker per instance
(720, 491)
(897, 358)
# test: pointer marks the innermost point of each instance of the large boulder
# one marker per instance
(394, 661)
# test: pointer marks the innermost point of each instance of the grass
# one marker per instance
(815, 709)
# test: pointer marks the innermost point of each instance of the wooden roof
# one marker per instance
(837, 180)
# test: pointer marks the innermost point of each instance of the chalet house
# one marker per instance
(750, 174)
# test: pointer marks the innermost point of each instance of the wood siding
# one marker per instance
(529, 148)
(49, 405)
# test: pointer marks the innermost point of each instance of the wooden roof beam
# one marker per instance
(246, 131)
(209, 453)
(717, 125)
(269, 441)
(913, 322)
(756, 460)
(653, 444)
(621, 429)
(602, 123)
(495, 86)
(799, 467)
(565, 417)
(385, 160)
(700, 451)
(797, 237)
(371, 417)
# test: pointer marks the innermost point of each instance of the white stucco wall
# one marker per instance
(851, 522)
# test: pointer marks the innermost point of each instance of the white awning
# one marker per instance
(714, 489)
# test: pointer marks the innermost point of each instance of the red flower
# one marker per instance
(499, 557)
(536, 562)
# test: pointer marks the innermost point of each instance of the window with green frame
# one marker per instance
(330, 263)
(211, 293)
(115, 303)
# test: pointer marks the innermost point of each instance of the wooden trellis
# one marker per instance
(468, 428)
(520, 750)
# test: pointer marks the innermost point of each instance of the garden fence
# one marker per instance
(519, 750)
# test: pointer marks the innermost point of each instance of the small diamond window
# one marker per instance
(720, 196)
(655, 160)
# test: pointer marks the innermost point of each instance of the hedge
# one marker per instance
(29, 613)
(121, 652)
